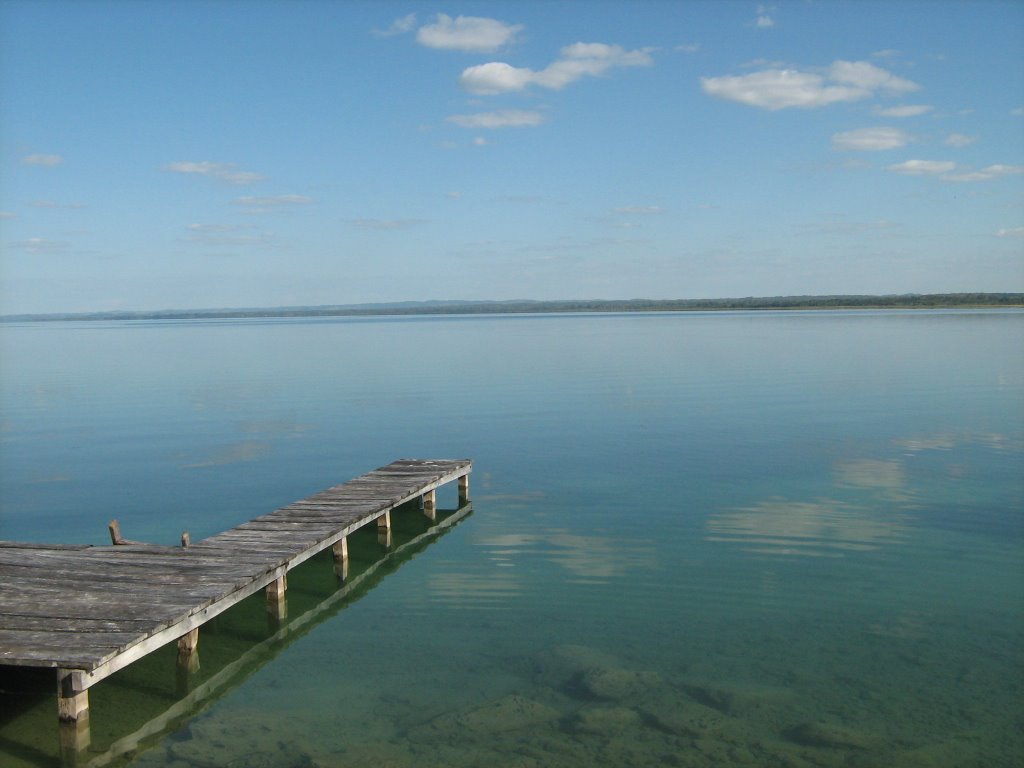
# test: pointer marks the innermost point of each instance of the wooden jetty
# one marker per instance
(89, 611)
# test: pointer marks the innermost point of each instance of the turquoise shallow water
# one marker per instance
(766, 539)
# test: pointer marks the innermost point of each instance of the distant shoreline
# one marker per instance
(837, 302)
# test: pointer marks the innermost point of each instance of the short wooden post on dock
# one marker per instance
(340, 552)
(463, 489)
(430, 504)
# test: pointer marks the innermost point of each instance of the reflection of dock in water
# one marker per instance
(203, 696)
(91, 611)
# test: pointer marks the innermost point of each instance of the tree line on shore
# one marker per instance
(859, 301)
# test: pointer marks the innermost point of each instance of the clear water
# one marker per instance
(765, 539)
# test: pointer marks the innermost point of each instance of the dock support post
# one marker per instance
(340, 551)
(384, 529)
(463, 489)
(188, 651)
(277, 606)
(430, 504)
(72, 697)
(75, 737)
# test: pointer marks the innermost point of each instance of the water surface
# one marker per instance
(767, 539)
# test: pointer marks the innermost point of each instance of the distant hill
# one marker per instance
(525, 306)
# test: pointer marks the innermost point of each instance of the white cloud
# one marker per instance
(509, 118)
(870, 139)
(866, 76)
(45, 160)
(960, 139)
(495, 77)
(480, 141)
(221, 171)
(1011, 232)
(923, 167)
(576, 61)
(904, 110)
(775, 89)
(7, 215)
(688, 47)
(467, 33)
(1018, 111)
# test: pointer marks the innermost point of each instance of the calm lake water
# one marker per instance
(763, 539)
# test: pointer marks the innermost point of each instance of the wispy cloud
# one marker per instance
(870, 139)
(639, 209)
(923, 167)
(775, 89)
(398, 26)
(39, 245)
(264, 204)
(576, 61)
(904, 110)
(764, 20)
(385, 224)
(986, 174)
(473, 34)
(8, 215)
(1011, 232)
(55, 204)
(227, 234)
(225, 172)
(960, 139)
(509, 118)
(947, 170)
(47, 161)
(688, 47)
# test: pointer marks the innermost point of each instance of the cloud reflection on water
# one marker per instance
(823, 528)
(247, 450)
(589, 559)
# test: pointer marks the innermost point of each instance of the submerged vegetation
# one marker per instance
(523, 306)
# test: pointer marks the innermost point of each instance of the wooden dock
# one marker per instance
(89, 611)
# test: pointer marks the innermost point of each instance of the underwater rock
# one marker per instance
(675, 713)
(739, 700)
(828, 735)
(238, 742)
(605, 720)
(615, 684)
(509, 713)
(564, 662)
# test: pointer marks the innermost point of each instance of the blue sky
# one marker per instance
(238, 154)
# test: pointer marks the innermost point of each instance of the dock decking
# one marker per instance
(88, 611)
